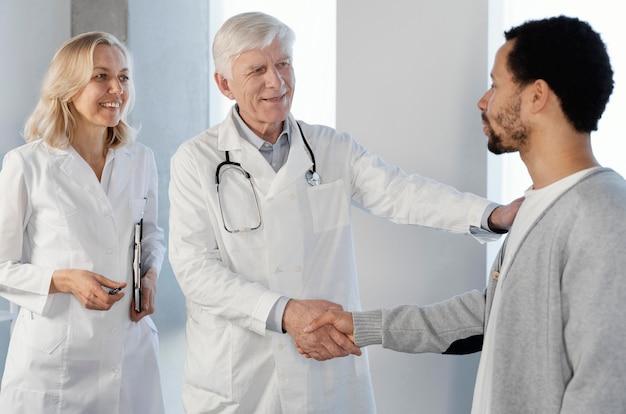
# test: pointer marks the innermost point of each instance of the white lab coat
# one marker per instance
(304, 249)
(55, 214)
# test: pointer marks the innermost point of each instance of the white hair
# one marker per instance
(247, 31)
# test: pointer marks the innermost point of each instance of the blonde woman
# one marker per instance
(70, 200)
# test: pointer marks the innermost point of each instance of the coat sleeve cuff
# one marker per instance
(367, 328)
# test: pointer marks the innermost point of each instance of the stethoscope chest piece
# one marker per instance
(313, 178)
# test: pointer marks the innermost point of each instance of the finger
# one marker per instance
(301, 351)
(327, 318)
(320, 356)
(117, 297)
(335, 306)
(330, 344)
(134, 315)
(99, 300)
(147, 302)
(345, 343)
(317, 345)
(108, 283)
(317, 350)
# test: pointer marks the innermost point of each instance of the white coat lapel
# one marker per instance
(266, 180)
(125, 165)
(78, 171)
(243, 152)
(298, 162)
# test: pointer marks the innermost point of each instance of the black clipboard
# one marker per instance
(137, 237)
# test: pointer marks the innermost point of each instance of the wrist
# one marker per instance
(492, 227)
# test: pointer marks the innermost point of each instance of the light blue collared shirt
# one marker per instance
(275, 154)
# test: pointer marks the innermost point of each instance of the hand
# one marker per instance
(87, 287)
(340, 319)
(322, 344)
(502, 217)
(148, 295)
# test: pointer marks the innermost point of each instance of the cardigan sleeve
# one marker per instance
(452, 326)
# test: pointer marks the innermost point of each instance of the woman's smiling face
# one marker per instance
(101, 103)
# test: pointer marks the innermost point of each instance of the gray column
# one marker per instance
(97, 15)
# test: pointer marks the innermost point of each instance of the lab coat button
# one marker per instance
(495, 275)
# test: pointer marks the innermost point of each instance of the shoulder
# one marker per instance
(603, 187)
(208, 136)
(202, 146)
(596, 203)
(32, 153)
(324, 138)
(34, 147)
(316, 132)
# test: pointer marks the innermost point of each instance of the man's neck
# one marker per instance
(554, 158)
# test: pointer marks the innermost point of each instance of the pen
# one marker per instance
(115, 291)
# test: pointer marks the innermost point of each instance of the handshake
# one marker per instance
(321, 329)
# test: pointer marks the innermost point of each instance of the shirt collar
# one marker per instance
(250, 136)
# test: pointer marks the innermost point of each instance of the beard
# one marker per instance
(514, 134)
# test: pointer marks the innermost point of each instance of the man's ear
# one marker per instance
(224, 87)
(541, 94)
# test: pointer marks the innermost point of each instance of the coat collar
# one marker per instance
(77, 170)
(126, 163)
(267, 181)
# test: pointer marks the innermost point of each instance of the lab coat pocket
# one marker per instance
(39, 333)
(209, 356)
(37, 346)
(330, 206)
(19, 400)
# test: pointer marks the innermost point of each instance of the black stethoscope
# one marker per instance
(254, 221)
(312, 177)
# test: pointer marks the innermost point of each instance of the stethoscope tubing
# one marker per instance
(312, 177)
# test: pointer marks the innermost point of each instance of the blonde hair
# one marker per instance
(70, 70)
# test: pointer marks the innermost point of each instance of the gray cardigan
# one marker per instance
(561, 338)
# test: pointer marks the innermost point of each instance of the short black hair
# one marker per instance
(572, 58)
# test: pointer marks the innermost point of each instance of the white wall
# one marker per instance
(409, 75)
(314, 59)
(30, 33)
(170, 44)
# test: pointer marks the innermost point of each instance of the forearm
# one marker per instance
(417, 329)
(389, 192)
